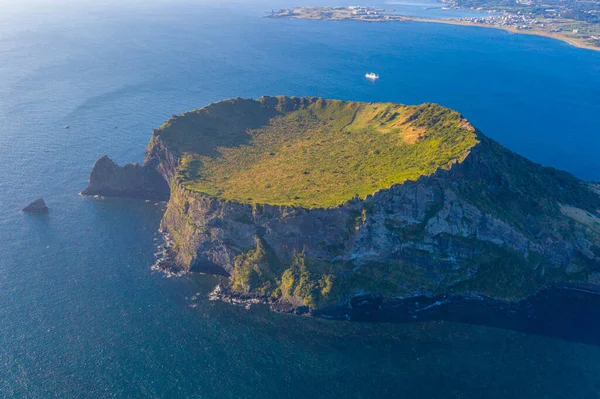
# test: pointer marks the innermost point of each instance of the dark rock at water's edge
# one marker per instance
(130, 181)
(569, 312)
(38, 206)
(165, 261)
(223, 292)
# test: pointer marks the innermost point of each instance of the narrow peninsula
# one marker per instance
(309, 204)
(581, 28)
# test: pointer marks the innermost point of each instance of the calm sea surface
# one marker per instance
(82, 314)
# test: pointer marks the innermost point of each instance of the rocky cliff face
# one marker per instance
(419, 238)
(494, 224)
(131, 181)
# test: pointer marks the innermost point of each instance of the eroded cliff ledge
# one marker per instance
(131, 181)
(311, 202)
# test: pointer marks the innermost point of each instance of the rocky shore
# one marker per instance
(570, 312)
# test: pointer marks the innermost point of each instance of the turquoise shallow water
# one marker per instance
(82, 314)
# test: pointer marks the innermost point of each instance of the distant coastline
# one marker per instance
(552, 35)
(367, 14)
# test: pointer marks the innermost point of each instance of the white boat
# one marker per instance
(372, 76)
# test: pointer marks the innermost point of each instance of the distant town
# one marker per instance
(576, 22)
(573, 22)
(337, 13)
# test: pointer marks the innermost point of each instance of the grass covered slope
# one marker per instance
(312, 152)
(495, 223)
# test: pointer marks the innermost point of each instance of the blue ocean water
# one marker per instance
(82, 314)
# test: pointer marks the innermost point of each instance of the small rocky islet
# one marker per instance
(308, 204)
(36, 207)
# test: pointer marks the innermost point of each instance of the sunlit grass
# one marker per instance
(312, 152)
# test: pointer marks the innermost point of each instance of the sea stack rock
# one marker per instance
(38, 206)
(130, 181)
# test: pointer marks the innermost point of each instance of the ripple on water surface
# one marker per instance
(82, 314)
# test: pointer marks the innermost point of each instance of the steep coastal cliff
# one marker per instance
(311, 202)
(132, 181)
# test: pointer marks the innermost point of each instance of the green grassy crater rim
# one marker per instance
(311, 152)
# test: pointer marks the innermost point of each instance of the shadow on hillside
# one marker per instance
(571, 314)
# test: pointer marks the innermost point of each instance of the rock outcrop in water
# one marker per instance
(38, 206)
(131, 181)
(488, 222)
